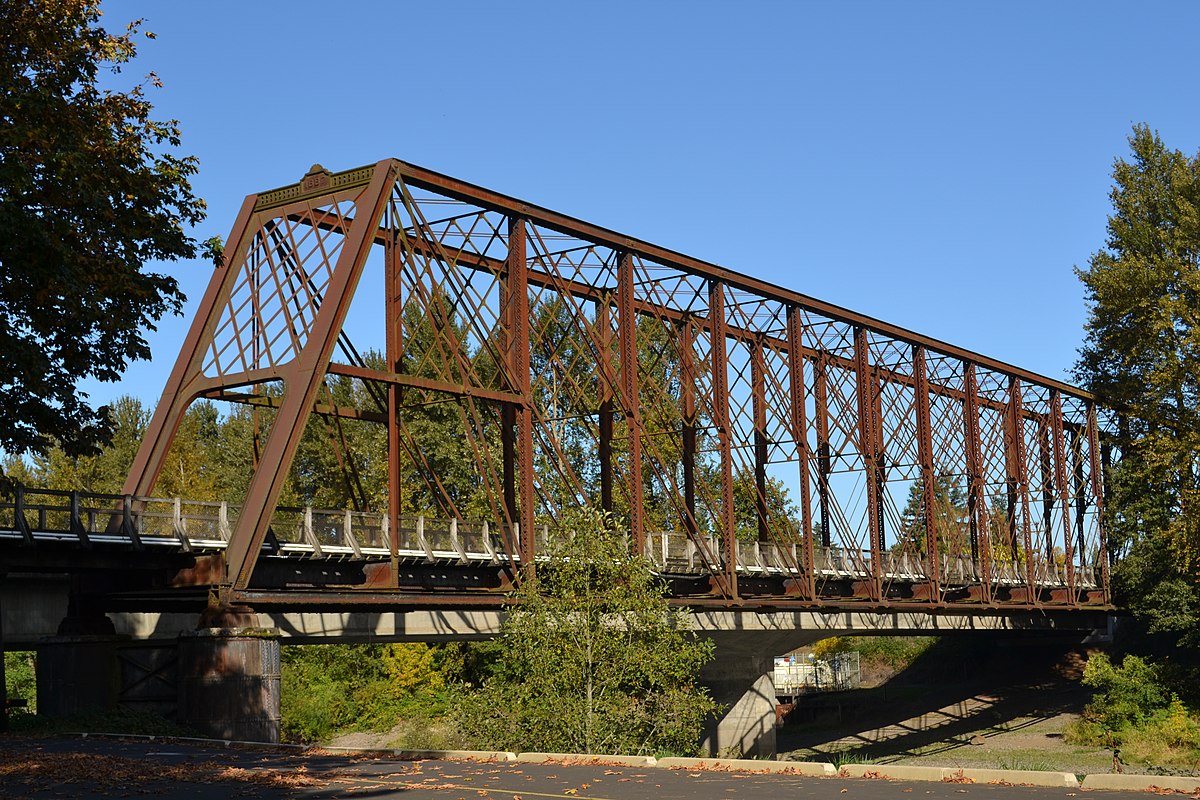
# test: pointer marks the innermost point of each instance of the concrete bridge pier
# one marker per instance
(741, 677)
(77, 668)
(745, 685)
(229, 677)
(221, 679)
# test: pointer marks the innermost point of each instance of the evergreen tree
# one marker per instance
(1141, 357)
(949, 515)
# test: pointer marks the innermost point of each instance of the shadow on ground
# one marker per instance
(960, 693)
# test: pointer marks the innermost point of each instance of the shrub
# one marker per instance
(334, 688)
(593, 658)
(19, 674)
(1135, 712)
(1127, 695)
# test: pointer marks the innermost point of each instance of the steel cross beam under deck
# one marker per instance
(586, 367)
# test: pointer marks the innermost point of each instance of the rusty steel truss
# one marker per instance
(588, 368)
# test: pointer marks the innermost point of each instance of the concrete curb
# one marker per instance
(428, 755)
(897, 772)
(1141, 782)
(195, 740)
(902, 772)
(813, 769)
(1025, 777)
(576, 759)
(381, 752)
(455, 755)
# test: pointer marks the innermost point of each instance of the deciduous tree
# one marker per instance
(593, 660)
(91, 190)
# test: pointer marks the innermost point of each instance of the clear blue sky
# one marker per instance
(941, 166)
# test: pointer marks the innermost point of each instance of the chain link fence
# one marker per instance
(797, 675)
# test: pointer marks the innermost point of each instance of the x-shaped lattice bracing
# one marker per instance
(577, 366)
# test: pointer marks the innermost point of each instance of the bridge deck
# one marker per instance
(76, 520)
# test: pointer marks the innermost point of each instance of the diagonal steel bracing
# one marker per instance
(779, 434)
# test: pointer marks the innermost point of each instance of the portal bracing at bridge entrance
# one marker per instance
(766, 449)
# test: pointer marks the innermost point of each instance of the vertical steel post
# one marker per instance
(720, 382)
(394, 309)
(977, 514)
(928, 479)
(1064, 490)
(1047, 474)
(798, 418)
(1075, 439)
(1097, 463)
(19, 520)
(518, 288)
(604, 373)
(687, 391)
(508, 454)
(508, 422)
(1011, 483)
(824, 458)
(761, 445)
(631, 399)
(1018, 480)
(865, 390)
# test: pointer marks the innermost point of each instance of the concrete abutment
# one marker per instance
(741, 678)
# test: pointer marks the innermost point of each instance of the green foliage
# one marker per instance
(117, 720)
(949, 513)
(593, 660)
(1141, 357)
(1170, 740)
(20, 668)
(782, 513)
(412, 668)
(1134, 711)
(893, 652)
(90, 192)
(200, 464)
(329, 689)
(1126, 695)
(842, 758)
(470, 663)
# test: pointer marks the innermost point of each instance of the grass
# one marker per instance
(841, 758)
(1020, 762)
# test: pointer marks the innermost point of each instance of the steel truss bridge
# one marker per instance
(761, 447)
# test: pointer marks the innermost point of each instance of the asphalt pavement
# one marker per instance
(74, 767)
